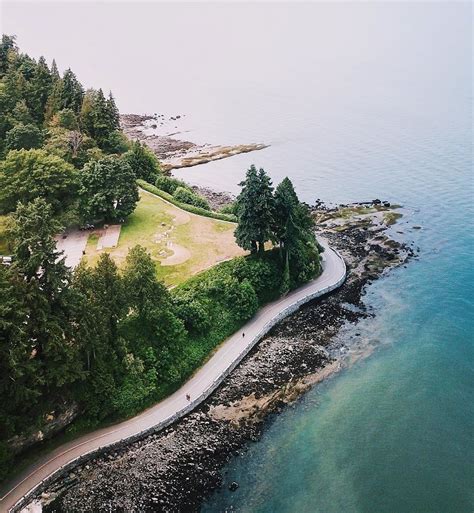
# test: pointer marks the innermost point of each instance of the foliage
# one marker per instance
(108, 190)
(280, 218)
(139, 384)
(65, 118)
(254, 208)
(37, 332)
(34, 96)
(23, 137)
(103, 305)
(230, 208)
(72, 92)
(294, 231)
(143, 162)
(169, 184)
(189, 208)
(71, 145)
(217, 302)
(100, 120)
(29, 174)
(151, 316)
(115, 143)
(183, 195)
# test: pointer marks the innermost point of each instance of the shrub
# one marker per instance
(186, 196)
(138, 385)
(230, 208)
(189, 208)
(169, 184)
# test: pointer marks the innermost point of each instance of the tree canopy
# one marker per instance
(29, 174)
(254, 209)
(108, 190)
(280, 218)
(143, 162)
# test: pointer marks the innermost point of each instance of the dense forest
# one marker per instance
(100, 343)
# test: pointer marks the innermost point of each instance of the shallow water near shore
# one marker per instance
(358, 101)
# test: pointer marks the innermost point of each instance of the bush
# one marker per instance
(186, 196)
(230, 208)
(169, 184)
(138, 385)
(189, 208)
(234, 289)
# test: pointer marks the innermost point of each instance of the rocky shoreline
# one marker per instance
(175, 153)
(178, 468)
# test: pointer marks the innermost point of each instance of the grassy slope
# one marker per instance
(155, 223)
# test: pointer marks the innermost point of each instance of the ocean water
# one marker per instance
(357, 100)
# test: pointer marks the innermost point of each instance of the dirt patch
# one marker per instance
(179, 256)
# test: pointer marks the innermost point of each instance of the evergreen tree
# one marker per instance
(266, 209)
(55, 76)
(50, 323)
(26, 65)
(101, 120)
(7, 46)
(87, 112)
(54, 101)
(21, 114)
(294, 230)
(72, 92)
(15, 88)
(103, 306)
(113, 114)
(17, 368)
(254, 209)
(40, 88)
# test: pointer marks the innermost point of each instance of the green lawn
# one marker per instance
(181, 243)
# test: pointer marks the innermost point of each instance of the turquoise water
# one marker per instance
(358, 100)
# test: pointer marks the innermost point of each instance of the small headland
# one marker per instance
(174, 153)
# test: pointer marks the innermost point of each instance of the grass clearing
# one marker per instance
(186, 243)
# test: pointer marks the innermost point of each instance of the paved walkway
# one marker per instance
(73, 246)
(199, 387)
(109, 236)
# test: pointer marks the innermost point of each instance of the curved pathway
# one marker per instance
(199, 387)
